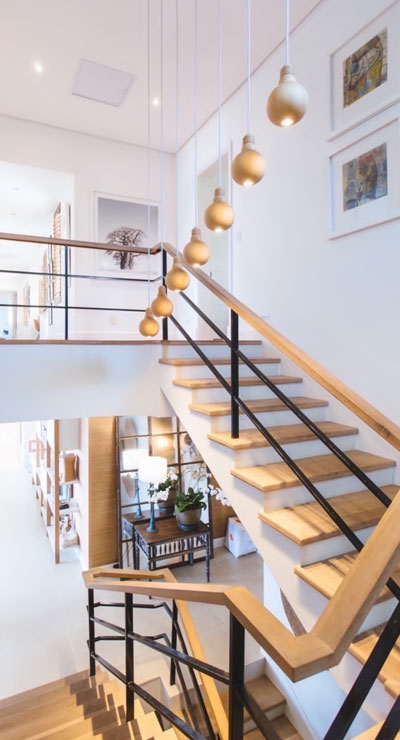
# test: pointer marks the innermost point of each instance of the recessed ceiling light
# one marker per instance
(15, 189)
(38, 67)
(156, 102)
(13, 213)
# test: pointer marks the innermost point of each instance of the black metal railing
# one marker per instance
(390, 634)
(66, 276)
(174, 649)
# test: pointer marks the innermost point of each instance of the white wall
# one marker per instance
(337, 299)
(98, 165)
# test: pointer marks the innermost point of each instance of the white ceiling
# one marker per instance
(57, 33)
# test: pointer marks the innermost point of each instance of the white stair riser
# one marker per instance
(379, 613)
(316, 551)
(202, 371)
(336, 487)
(297, 450)
(246, 392)
(211, 350)
(268, 419)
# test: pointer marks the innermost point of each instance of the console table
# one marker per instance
(170, 542)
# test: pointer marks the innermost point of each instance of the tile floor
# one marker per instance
(43, 621)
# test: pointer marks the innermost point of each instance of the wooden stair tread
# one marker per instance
(284, 434)
(189, 361)
(40, 690)
(372, 733)
(257, 406)
(103, 722)
(276, 476)
(21, 702)
(327, 575)
(265, 693)
(393, 688)
(362, 647)
(308, 523)
(25, 727)
(196, 383)
(211, 342)
(283, 728)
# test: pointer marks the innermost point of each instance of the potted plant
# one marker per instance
(169, 489)
(188, 508)
(189, 505)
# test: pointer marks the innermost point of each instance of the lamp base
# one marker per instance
(152, 524)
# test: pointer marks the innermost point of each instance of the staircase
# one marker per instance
(293, 531)
(77, 707)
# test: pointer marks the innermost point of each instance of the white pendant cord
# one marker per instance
(177, 119)
(219, 91)
(148, 153)
(195, 113)
(287, 30)
(248, 65)
(162, 125)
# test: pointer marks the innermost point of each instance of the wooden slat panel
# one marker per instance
(103, 548)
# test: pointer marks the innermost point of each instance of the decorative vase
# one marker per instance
(188, 519)
(168, 506)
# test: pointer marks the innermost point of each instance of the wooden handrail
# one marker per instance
(304, 655)
(29, 239)
(358, 405)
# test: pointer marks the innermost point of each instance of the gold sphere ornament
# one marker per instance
(177, 278)
(248, 167)
(219, 216)
(196, 252)
(161, 305)
(287, 104)
(148, 326)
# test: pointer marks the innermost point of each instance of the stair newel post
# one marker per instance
(129, 658)
(236, 679)
(173, 641)
(164, 272)
(234, 375)
(92, 660)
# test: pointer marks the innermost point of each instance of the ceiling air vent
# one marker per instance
(101, 83)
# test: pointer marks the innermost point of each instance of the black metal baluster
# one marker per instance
(236, 679)
(66, 268)
(164, 272)
(92, 627)
(173, 641)
(129, 658)
(234, 375)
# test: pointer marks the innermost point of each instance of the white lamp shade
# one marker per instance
(152, 470)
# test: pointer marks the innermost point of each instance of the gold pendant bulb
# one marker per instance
(196, 252)
(219, 216)
(148, 326)
(177, 278)
(288, 102)
(162, 306)
(248, 167)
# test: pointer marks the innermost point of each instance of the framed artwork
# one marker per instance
(365, 181)
(124, 220)
(365, 72)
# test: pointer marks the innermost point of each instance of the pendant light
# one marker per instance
(196, 252)
(177, 278)
(287, 103)
(148, 326)
(219, 216)
(162, 306)
(248, 167)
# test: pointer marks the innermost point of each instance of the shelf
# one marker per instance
(50, 473)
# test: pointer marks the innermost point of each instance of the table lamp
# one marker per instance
(152, 470)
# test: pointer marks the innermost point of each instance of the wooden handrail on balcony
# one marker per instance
(358, 405)
(29, 239)
(301, 656)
